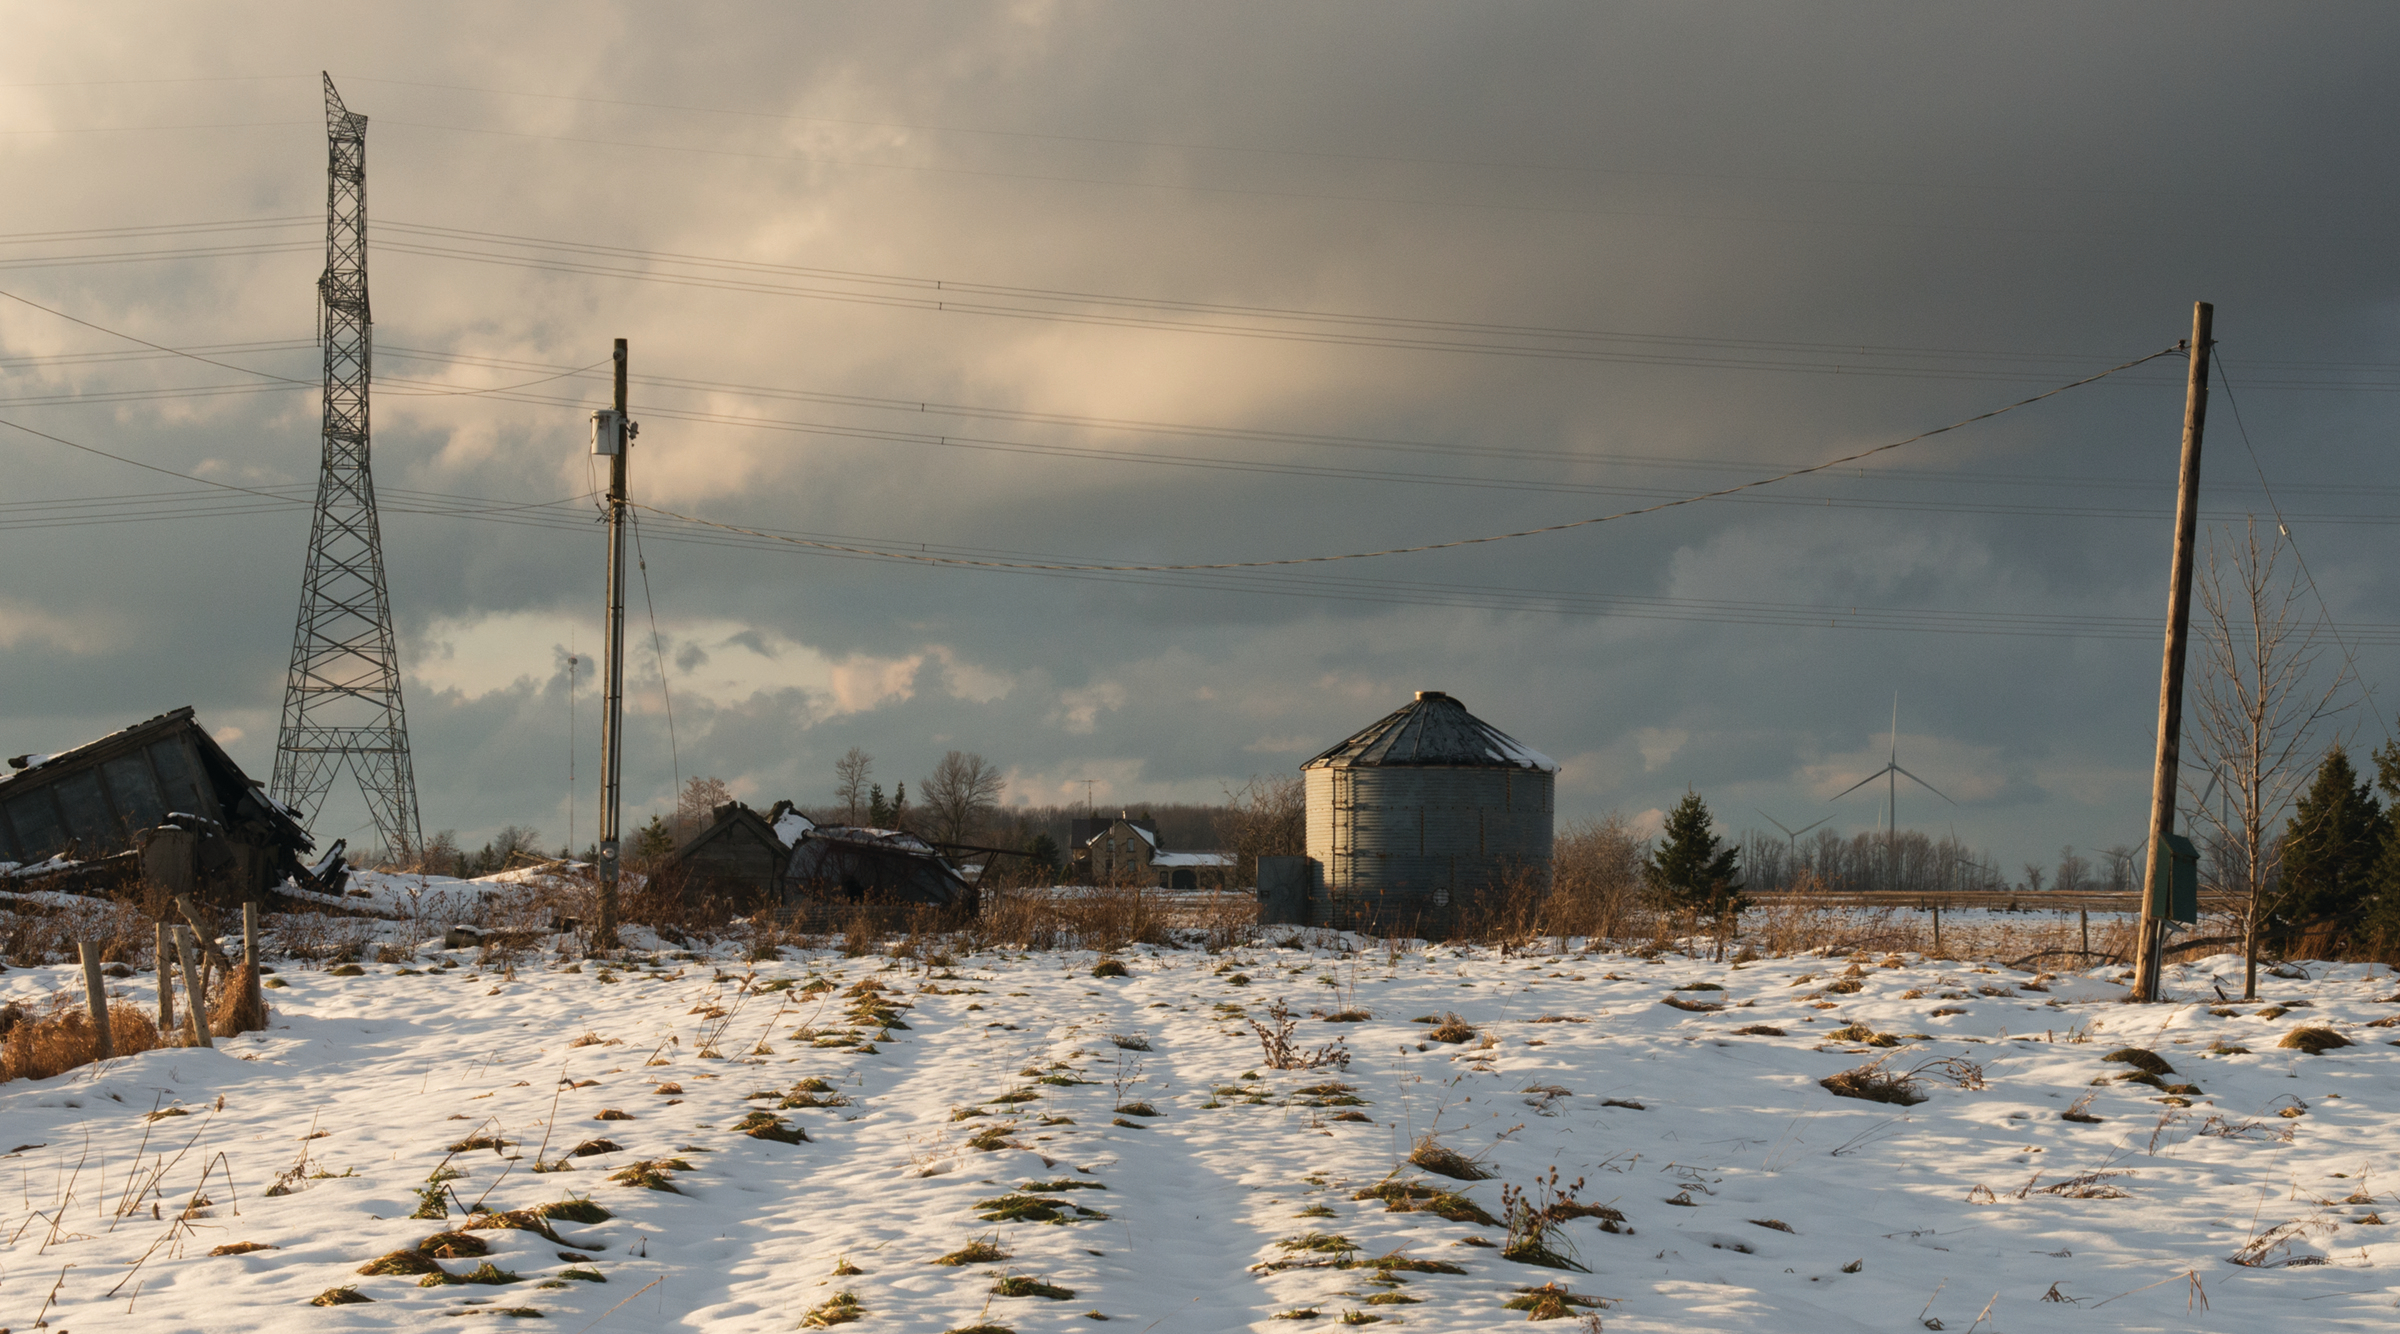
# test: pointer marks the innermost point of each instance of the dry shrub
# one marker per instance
(239, 1006)
(673, 902)
(1592, 889)
(62, 1039)
(1106, 918)
(34, 935)
(317, 936)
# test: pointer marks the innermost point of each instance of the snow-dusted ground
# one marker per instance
(1897, 1216)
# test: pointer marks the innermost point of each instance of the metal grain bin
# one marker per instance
(1414, 820)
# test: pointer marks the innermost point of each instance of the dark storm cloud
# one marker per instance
(2049, 187)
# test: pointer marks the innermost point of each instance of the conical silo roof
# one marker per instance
(1433, 730)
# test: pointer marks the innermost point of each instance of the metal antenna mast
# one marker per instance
(341, 702)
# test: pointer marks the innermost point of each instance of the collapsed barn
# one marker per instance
(160, 802)
(836, 865)
(805, 872)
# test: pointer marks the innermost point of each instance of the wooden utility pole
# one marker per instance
(612, 436)
(2158, 878)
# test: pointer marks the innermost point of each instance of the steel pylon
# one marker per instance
(341, 701)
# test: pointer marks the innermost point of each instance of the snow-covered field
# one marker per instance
(1752, 1198)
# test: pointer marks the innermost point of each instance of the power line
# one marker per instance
(658, 646)
(1675, 350)
(2324, 610)
(1184, 187)
(1493, 537)
(557, 515)
(155, 347)
(407, 387)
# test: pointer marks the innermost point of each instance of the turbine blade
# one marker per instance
(1861, 783)
(1922, 783)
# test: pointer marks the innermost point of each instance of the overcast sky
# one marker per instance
(1217, 282)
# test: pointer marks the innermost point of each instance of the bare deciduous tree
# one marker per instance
(2256, 713)
(850, 775)
(697, 804)
(1263, 818)
(960, 794)
(2074, 872)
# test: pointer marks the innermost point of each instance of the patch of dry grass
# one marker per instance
(981, 1251)
(2313, 1040)
(1442, 1160)
(61, 1040)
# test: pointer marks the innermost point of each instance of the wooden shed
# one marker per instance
(740, 858)
(160, 800)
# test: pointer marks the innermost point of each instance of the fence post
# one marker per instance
(254, 993)
(95, 993)
(1937, 927)
(196, 1014)
(2086, 915)
(163, 954)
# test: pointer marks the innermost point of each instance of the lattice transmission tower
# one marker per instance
(341, 702)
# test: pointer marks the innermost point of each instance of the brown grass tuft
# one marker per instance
(401, 1262)
(2315, 1040)
(1452, 1029)
(980, 1251)
(1875, 1084)
(1442, 1160)
(2142, 1059)
(61, 1040)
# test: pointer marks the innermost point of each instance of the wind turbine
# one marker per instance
(1789, 832)
(1892, 773)
(1791, 836)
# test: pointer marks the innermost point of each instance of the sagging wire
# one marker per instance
(2324, 612)
(1719, 493)
(657, 646)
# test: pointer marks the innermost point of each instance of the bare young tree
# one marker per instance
(2257, 711)
(850, 776)
(697, 804)
(960, 794)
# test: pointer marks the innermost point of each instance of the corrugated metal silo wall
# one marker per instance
(1409, 850)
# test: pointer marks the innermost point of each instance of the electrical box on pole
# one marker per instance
(608, 433)
(2173, 891)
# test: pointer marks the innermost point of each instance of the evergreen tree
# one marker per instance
(1693, 870)
(2331, 849)
(879, 810)
(653, 841)
(2381, 921)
